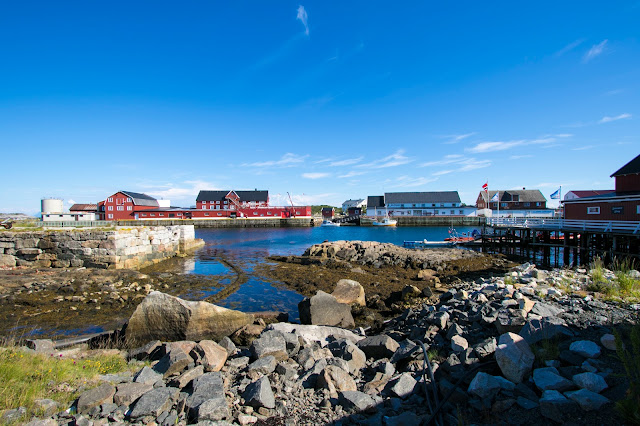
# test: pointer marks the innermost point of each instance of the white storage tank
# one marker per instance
(52, 205)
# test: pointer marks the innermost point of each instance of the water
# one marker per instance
(247, 247)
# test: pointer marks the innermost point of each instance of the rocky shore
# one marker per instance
(526, 346)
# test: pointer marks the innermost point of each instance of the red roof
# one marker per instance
(592, 193)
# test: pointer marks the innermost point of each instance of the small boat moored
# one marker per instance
(386, 221)
(327, 222)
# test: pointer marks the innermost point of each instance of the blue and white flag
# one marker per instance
(496, 197)
(556, 195)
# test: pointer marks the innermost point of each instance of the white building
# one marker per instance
(353, 203)
(422, 204)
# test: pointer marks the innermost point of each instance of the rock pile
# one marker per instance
(501, 349)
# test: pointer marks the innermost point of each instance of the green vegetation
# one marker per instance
(26, 377)
(546, 350)
(629, 407)
(622, 286)
(317, 210)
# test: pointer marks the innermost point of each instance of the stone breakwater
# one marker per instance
(379, 255)
(122, 248)
(511, 349)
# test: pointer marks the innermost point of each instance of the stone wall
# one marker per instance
(121, 248)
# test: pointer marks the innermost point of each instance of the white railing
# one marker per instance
(565, 224)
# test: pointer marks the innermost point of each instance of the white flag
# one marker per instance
(496, 197)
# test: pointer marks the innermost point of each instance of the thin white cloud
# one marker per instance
(583, 148)
(315, 175)
(472, 164)
(409, 182)
(393, 160)
(287, 160)
(302, 17)
(442, 172)
(569, 47)
(495, 146)
(464, 164)
(616, 118)
(300, 199)
(596, 50)
(518, 157)
(457, 138)
(71, 202)
(351, 174)
(188, 190)
(337, 163)
(614, 92)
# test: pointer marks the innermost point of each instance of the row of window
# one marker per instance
(119, 208)
(421, 205)
(495, 205)
(614, 210)
(120, 200)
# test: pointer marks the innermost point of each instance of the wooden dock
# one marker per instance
(557, 242)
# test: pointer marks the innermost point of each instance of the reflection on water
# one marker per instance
(228, 251)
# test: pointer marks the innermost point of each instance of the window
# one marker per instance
(503, 204)
(206, 214)
(461, 211)
(593, 210)
(436, 212)
(110, 216)
(441, 205)
(538, 204)
(152, 214)
(433, 205)
(110, 208)
(172, 215)
(129, 200)
(453, 212)
(515, 198)
(638, 209)
(161, 214)
(143, 215)
(120, 208)
(269, 213)
(255, 213)
(527, 204)
(110, 200)
(129, 208)
(119, 201)
(179, 214)
(219, 214)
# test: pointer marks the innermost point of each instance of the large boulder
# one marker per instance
(514, 357)
(350, 292)
(316, 333)
(164, 317)
(324, 309)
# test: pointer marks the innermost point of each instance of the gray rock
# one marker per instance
(324, 309)
(509, 321)
(41, 345)
(95, 397)
(213, 356)
(355, 401)
(548, 378)
(349, 292)
(146, 351)
(590, 381)
(486, 348)
(128, 393)
(440, 319)
(557, 407)
(514, 357)
(173, 363)
(185, 378)
(525, 403)
(588, 401)
(238, 363)
(230, 347)
(378, 347)
(335, 379)
(270, 343)
(546, 310)
(147, 375)
(205, 388)
(459, 344)
(586, 348)
(80, 421)
(608, 341)
(315, 333)
(405, 419)
(484, 386)
(154, 402)
(348, 351)
(259, 394)
(47, 407)
(262, 366)
(13, 415)
(536, 330)
(403, 386)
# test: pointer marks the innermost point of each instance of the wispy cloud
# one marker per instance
(495, 146)
(569, 47)
(596, 50)
(352, 174)
(583, 148)
(409, 182)
(332, 162)
(452, 139)
(188, 190)
(301, 199)
(442, 172)
(463, 164)
(315, 175)
(287, 160)
(396, 159)
(302, 17)
(613, 92)
(616, 118)
(518, 157)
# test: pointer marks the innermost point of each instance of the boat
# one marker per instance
(386, 221)
(327, 222)
(425, 244)
(456, 238)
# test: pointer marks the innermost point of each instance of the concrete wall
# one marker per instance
(123, 248)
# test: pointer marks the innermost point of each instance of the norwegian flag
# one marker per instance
(486, 187)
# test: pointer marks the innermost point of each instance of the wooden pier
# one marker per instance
(557, 242)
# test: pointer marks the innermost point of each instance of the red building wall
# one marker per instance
(120, 207)
(628, 183)
(626, 211)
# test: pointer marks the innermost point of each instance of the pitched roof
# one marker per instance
(375, 201)
(141, 199)
(632, 167)
(591, 192)
(243, 195)
(524, 195)
(422, 197)
(83, 208)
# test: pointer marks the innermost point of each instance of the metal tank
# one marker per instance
(52, 205)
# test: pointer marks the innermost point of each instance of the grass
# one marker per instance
(629, 407)
(26, 377)
(546, 350)
(623, 286)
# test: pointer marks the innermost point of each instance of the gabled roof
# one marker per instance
(524, 195)
(591, 192)
(375, 201)
(422, 197)
(632, 167)
(244, 195)
(83, 208)
(141, 199)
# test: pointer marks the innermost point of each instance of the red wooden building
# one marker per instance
(622, 204)
(126, 205)
(512, 199)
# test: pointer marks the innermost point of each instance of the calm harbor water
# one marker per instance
(247, 247)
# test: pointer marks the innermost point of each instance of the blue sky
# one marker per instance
(325, 100)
